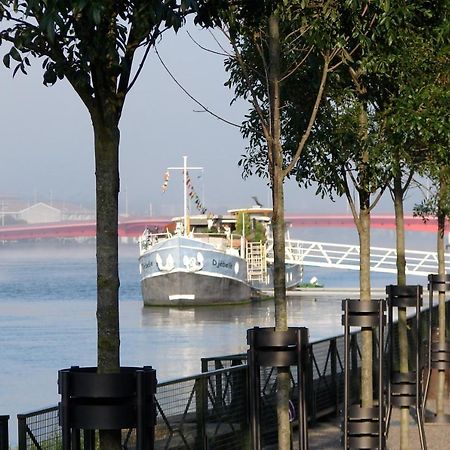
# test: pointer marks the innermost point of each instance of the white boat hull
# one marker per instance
(184, 289)
(182, 271)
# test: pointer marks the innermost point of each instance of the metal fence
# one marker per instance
(325, 389)
(210, 410)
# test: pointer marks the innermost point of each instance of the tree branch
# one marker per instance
(225, 55)
(350, 201)
(254, 100)
(378, 197)
(192, 97)
(297, 65)
(150, 43)
(312, 118)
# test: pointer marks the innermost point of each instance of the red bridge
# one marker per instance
(135, 227)
(56, 230)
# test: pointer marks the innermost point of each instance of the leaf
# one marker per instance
(96, 15)
(7, 60)
(50, 77)
(15, 54)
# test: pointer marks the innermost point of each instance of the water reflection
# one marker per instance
(320, 315)
(178, 338)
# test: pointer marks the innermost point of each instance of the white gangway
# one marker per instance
(344, 256)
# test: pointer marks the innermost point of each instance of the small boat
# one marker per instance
(210, 259)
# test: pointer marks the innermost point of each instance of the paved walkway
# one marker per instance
(327, 435)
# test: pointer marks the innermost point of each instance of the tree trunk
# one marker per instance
(364, 257)
(364, 285)
(401, 281)
(106, 133)
(277, 176)
(441, 271)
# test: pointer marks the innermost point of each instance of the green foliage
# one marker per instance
(437, 198)
(402, 72)
(409, 71)
(253, 230)
(90, 42)
(338, 157)
(309, 31)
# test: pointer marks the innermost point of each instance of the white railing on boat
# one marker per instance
(343, 256)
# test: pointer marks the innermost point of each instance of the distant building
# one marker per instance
(14, 211)
(40, 213)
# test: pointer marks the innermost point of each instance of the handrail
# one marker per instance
(346, 256)
(202, 375)
(35, 412)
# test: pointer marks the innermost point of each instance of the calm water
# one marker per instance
(47, 322)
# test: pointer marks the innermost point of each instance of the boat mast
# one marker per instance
(185, 211)
(185, 194)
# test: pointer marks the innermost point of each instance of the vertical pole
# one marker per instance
(380, 374)
(334, 382)
(185, 195)
(89, 439)
(428, 375)
(201, 406)
(64, 381)
(255, 391)
(21, 432)
(419, 400)
(243, 246)
(4, 437)
(302, 350)
(76, 439)
(391, 355)
(346, 374)
(140, 412)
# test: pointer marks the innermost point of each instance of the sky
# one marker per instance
(46, 144)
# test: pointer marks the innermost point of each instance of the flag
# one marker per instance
(166, 181)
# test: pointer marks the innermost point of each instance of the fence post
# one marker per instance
(201, 410)
(334, 381)
(312, 410)
(22, 431)
(4, 436)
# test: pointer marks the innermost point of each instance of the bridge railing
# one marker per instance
(344, 256)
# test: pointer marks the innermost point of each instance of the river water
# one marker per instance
(47, 321)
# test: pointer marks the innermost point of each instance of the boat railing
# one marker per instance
(148, 240)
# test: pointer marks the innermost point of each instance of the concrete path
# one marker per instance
(327, 435)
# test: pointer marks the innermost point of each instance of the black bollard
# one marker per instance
(271, 348)
(405, 389)
(118, 401)
(438, 356)
(364, 427)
